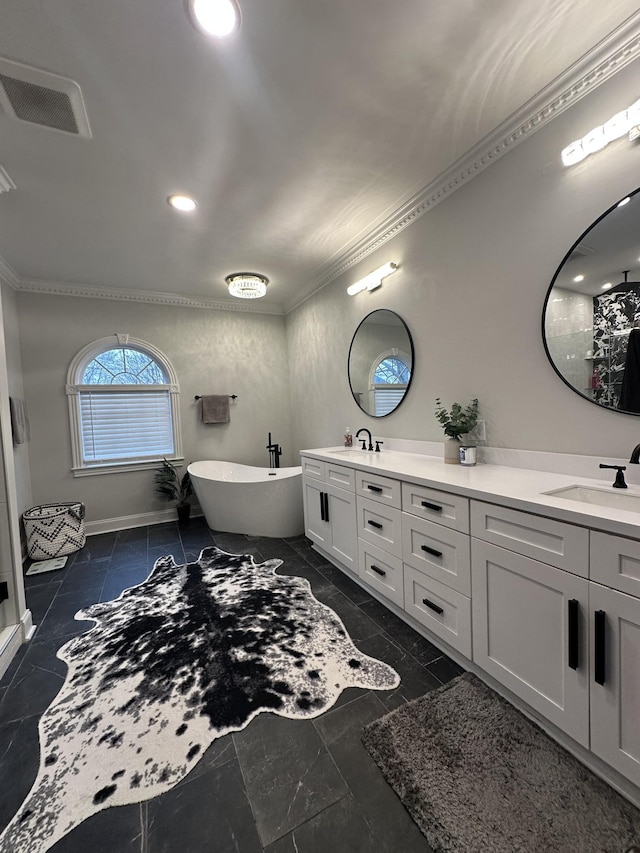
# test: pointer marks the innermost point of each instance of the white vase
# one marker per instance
(451, 451)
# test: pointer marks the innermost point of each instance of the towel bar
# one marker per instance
(232, 396)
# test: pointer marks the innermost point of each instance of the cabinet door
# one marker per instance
(315, 527)
(615, 660)
(342, 522)
(529, 633)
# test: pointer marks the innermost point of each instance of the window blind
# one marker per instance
(129, 425)
(387, 397)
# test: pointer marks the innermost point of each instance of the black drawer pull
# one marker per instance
(574, 613)
(377, 570)
(374, 488)
(435, 507)
(599, 624)
(431, 551)
(432, 606)
(375, 524)
(326, 506)
(322, 517)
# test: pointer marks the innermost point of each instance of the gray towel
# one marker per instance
(215, 408)
(19, 420)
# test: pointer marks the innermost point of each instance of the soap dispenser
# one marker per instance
(348, 437)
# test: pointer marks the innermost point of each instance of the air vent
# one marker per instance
(581, 251)
(39, 97)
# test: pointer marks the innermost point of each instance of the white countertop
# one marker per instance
(518, 488)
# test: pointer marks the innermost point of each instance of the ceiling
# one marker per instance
(303, 137)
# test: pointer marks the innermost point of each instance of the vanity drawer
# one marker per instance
(381, 571)
(438, 551)
(444, 611)
(380, 525)
(313, 468)
(434, 505)
(564, 546)
(382, 489)
(338, 475)
(615, 562)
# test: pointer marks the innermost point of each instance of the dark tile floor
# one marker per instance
(279, 786)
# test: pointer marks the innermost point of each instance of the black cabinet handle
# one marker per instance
(432, 606)
(600, 627)
(377, 570)
(374, 488)
(375, 524)
(574, 614)
(322, 518)
(326, 506)
(431, 551)
(435, 507)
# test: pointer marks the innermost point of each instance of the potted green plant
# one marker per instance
(456, 423)
(171, 487)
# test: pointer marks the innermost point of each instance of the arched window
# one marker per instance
(389, 379)
(123, 406)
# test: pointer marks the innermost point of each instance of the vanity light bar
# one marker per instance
(373, 280)
(627, 121)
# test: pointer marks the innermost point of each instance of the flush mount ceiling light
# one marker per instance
(218, 18)
(247, 285)
(183, 203)
(373, 280)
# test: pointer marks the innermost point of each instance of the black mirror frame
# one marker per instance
(413, 360)
(546, 302)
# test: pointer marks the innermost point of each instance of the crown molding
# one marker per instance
(8, 275)
(606, 59)
(56, 288)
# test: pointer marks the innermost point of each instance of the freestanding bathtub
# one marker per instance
(239, 498)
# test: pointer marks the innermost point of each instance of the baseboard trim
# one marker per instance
(10, 642)
(28, 628)
(126, 522)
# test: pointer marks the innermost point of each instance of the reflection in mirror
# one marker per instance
(591, 318)
(380, 363)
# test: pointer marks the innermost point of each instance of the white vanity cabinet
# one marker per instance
(328, 493)
(545, 607)
(529, 633)
(615, 652)
(437, 570)
(379, 535)
(568, 646)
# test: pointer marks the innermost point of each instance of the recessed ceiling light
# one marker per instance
(607, 285)
(182, 202)
(215, 17)
(624, 201)
(247, 285)
(579, 278)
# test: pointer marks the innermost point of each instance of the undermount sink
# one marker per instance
(620, 499)
(356, 454)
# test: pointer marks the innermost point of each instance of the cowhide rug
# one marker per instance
(192, 653)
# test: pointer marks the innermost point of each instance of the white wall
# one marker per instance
(474, 272)
(212, 352)
(16, 389)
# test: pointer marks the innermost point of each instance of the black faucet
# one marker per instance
(635, 455)
(619, 482)
(364, 443)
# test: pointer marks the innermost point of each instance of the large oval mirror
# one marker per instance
(380, 363)
(591, 318)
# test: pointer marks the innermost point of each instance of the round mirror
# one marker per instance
(591, 317)
(380, 363)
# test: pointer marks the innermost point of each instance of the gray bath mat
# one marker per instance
(475, 774)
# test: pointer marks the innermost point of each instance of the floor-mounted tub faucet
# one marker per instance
(364, 443)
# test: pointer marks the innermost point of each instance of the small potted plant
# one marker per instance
(456, 423)
(171, 487)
